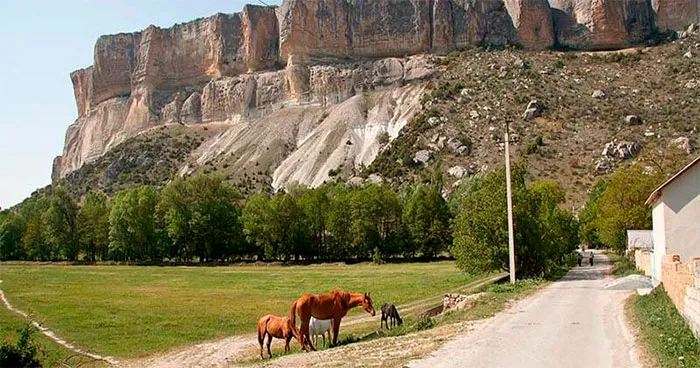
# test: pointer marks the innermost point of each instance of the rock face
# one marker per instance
(243, 66)
(676, 14)
(602, 24)
(371, 28)
(533, 21)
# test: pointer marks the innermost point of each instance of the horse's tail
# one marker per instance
(262, 328)
(293, 322)
(293, 314)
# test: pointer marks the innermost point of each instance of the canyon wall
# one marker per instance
(243, 66)
(676, 14)
(602, 24)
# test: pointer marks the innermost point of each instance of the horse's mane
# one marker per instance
(341, 295)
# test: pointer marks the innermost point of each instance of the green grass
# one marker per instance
(665, 334)
(622, 265)
(136, 311)
(50, 353)
(496, 298)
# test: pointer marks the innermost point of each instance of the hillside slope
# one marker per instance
(245, 66)
(636, 102)
(646, 99)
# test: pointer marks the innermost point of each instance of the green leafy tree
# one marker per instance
(481, 226)
(258, 225)
(289, 230)
(544, 233)
(555, 232)
(93, 226)
(316, 205)
(202, 218)
(34, 239)
(588, 229)
(427, 218)
(12, 227)
(622, 206)
(133, 233)
(376, 220)
(339, 222)
(61, 223)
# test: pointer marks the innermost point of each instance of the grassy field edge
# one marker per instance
(665, 339)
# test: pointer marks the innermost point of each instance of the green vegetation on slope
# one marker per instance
(476, 91)
(98, 307)
(664, 333)
(618, 203)
(150, 158)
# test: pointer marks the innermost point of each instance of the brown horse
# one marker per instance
(279, 327)
(335, 305)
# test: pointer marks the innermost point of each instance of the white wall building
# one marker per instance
(676, 216)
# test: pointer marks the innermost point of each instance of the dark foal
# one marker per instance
(390, 315)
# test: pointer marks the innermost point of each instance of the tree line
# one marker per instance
(203, 219)
(618, 203)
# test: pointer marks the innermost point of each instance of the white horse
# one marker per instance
(320, 327)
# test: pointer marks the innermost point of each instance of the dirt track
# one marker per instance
(51, 335)
(223, 353)
(574, 322)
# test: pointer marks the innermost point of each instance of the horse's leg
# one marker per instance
(286, 343)
(324, 338)
(269, 342)
(305, 333)
(261, 340)
(336, 330)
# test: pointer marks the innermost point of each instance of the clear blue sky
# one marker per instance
(42, 42)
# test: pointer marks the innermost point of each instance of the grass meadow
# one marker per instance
(132, 312)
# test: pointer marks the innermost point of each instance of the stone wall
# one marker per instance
(682, 284)
(643, 259)
(459, 301)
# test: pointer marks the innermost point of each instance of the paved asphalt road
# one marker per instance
(572, 323)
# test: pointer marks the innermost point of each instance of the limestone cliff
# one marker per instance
(676, 14)
(589, 24)
(239, 68)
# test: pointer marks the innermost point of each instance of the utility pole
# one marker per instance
(509, 194)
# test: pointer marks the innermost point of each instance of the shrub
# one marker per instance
(383, 138)
(377, 256)
(23, 353)
(534, 146)
(618, 57)
(424, 324)
(333, 172)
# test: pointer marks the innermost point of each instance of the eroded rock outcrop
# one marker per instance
(532, 20)
(370, 28)
(148, 78)
(589, 24)
(676, 14)
(240, 67)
